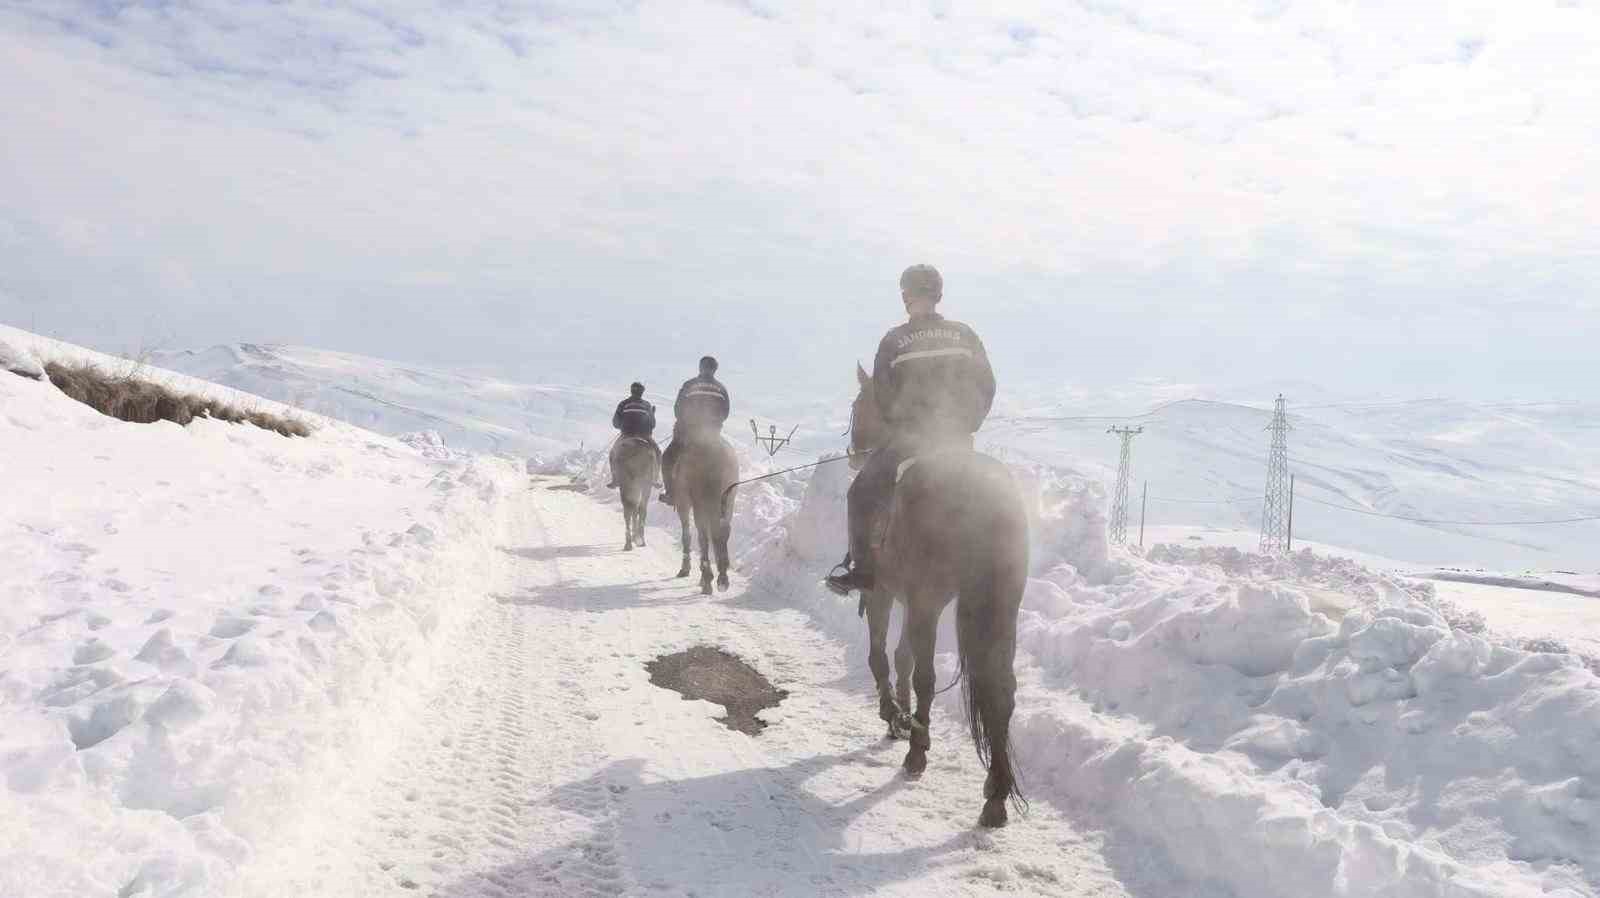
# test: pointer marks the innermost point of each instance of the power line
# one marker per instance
(1233, 501)
(1355, 404)
(1397, 517)
(1376, 403)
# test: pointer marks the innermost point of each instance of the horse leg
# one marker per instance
(922, 619)
(995, 689)
(879, 605)
(641, 514)
(986, 619)
(904, 665)
(720, 542)
(627, 521)
(683, 522)
(703, 526)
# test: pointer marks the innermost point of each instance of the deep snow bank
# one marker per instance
(199, 626)
(1282, 726)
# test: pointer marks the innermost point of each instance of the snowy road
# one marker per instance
(547, 764)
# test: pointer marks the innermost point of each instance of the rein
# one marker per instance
(816, 464)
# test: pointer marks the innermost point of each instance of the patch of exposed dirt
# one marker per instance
(711, 674)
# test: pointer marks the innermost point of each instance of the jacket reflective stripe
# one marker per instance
(961, 351)
(635, 411)
(705, 391)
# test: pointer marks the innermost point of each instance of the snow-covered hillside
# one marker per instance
(1438, 459)
(233, 663)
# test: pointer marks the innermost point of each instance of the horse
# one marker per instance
(634, 463)
(702, 484)
(956, 529)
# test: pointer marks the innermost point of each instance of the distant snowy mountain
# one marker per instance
(469, 410)
(1440, 459)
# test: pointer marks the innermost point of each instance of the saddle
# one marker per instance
(635, 438)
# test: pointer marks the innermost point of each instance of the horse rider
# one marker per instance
(636, 418)
(701, 407)
(934, 387)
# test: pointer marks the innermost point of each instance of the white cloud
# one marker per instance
(1225, 174)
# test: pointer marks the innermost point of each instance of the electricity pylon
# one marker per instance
(1275, 507)
(1119, 503)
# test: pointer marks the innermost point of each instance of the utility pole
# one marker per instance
(1275, 513)
(1119, 503)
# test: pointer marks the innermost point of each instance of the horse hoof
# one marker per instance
(628, 547)
(916, 762)
(898, 733)
(994, 813)
(705, 589)
(684, 572)
(722, 583)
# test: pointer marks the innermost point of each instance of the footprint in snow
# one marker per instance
(231, 627)
(92, 651)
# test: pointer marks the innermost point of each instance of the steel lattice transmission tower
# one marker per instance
(1275, 507)
(1119, 503)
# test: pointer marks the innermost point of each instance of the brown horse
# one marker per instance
(702, 486)
(956, 529)
(634, 463)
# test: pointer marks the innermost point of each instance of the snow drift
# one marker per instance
(1284, 726)
(201, 626)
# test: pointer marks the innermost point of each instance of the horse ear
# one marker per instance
(862, 377)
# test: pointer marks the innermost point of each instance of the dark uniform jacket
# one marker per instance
(702, 404)
(932, 379)
(634, 417)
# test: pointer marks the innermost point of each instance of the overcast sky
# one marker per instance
(1400, 197)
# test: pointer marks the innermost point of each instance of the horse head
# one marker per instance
(868, 430)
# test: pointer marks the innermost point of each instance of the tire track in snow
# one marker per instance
(546, 764)
(454, 796)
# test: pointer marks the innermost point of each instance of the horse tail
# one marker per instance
(986, 636)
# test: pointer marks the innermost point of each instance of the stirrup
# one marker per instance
(843, 582)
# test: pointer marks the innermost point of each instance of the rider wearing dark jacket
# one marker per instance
(934, 386)
(701, 408)
(635, 418)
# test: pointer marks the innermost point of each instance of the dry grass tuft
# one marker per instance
(129, 398)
